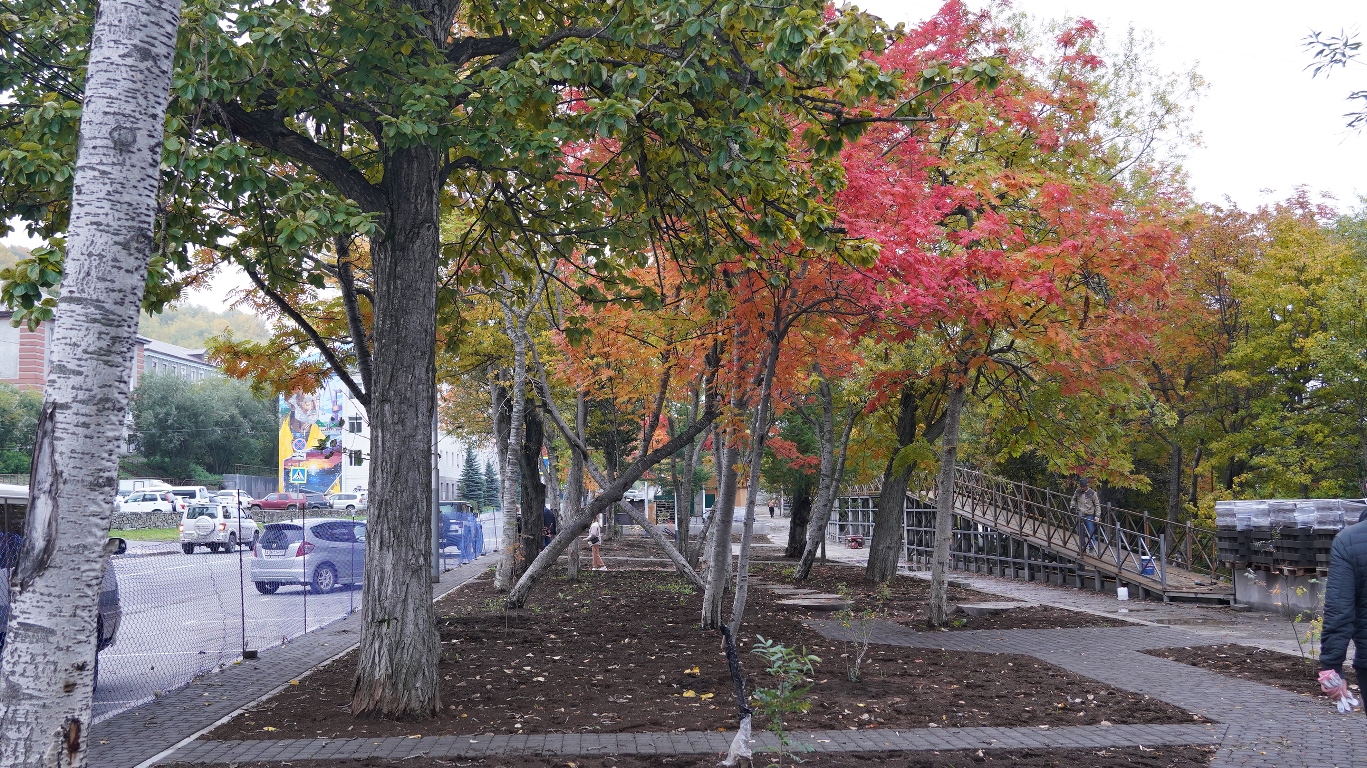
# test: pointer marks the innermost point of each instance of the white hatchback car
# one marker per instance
(217, 526)
(152, 501)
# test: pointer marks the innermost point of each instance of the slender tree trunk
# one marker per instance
(504, 575)
(826, 495)
(944, 509)
(610, 494)
(889, 520)
(690, 549)
(554, 493)
(396, 674)
(1195, 476)
(47, 670)
(719, 552)
(574, 495)
(1175, 466)
(533, 493)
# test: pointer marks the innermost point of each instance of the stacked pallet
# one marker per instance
(1282, 535)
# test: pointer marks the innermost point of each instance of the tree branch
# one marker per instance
(362, 396)
(268, 130)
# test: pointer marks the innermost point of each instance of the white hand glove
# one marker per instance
(1333, 685)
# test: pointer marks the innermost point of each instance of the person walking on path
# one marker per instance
(1088, 507)
(1345, 614)
(596, 539)
(771, 507)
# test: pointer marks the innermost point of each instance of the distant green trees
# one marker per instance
(190, 430)
(192, 326)
(470, 486)
(491, 486)
(19, 410)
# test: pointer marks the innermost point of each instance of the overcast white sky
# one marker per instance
(1267, 127)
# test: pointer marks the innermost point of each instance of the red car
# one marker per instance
(290, 501)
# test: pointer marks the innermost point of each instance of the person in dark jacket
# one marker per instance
(1345, 614)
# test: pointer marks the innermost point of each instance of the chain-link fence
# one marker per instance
(182, 602)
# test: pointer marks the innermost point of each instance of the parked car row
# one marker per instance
(322, 554)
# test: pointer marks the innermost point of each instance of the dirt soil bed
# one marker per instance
(1117, 757)
(620, 651)
(1279, 670)
(904, 601)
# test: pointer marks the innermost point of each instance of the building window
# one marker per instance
(9, 350)
(356, 458)
(353, 425)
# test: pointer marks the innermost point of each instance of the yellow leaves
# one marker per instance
(706, 696)
(294, 682)
(689, 694)
(693, 671)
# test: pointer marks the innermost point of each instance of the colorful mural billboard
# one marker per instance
(311, 439)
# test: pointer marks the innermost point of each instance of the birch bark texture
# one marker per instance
(47, 669)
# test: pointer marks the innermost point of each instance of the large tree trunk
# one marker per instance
(944, 509)
(719, 551)
(396, 671)
(797, 526)
(47, 671)
(533, 490)
(889, 520)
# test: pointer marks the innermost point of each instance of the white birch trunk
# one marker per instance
(47, 671)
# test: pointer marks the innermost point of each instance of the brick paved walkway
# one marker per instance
(696, 742)
(1255, 726)
(134, 737)
(1266, 727)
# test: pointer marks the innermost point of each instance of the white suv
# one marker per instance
(217, 526)
(347, 501)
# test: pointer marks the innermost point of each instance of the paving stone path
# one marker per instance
(1254, 726)
(1264, 726)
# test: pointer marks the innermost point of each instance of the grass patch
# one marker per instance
(146, 534)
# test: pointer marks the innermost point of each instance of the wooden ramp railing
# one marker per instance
(1125, 547)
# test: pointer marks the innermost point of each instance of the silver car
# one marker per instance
(331, 554)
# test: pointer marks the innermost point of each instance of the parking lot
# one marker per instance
(186, 614)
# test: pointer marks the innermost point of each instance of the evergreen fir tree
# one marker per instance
(470, 486)
(491, 486)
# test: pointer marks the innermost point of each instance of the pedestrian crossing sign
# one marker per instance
(298, 475)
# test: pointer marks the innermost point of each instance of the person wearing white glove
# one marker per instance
(1345, 615)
